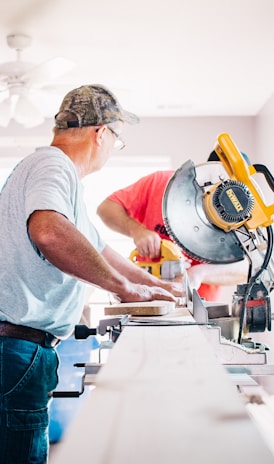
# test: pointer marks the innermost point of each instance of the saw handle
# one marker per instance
(267, 174)
(231, 158)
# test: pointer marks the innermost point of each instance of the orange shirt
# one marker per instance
(143, 202)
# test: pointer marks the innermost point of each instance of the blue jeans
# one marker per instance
(28, 372)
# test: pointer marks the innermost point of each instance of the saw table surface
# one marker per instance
(162, 397)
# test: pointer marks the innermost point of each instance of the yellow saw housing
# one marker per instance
(237, 201)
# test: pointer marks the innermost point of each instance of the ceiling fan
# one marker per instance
(19, 79)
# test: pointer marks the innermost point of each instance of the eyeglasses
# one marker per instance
(119, 143)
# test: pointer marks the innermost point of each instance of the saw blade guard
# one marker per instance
(186, 220)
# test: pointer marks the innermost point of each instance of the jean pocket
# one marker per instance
(25, 437)
(18, 419)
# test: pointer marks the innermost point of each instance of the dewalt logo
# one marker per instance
(234, 200)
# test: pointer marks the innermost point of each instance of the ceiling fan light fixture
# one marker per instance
(48, 71)
(18, 41)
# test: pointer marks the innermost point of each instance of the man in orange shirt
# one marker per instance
(136, 211)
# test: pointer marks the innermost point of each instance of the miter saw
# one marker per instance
(215, 212)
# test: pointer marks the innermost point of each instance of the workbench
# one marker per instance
(162, 397)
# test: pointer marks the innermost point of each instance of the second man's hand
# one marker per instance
(140, 293)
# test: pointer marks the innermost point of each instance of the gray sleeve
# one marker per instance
(54, 185)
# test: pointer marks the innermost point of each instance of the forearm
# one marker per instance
(116, 218)
(67, 249)
(227, 274)
(218, 274)
(139, 276)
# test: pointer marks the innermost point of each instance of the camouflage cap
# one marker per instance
(93, 105)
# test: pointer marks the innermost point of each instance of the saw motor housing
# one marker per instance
(229, 204)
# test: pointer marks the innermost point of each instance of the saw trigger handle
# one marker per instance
(267, 174)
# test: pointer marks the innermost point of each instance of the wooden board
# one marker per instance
(162, 397)
(146, 308)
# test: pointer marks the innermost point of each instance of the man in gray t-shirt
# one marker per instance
(48, 250)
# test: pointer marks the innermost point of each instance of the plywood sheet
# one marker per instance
(146, 308)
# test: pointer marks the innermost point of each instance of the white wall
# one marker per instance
(188, 138)
(177, 138)
(264, 140)
(264, 134)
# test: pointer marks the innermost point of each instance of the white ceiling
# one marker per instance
(162, 58)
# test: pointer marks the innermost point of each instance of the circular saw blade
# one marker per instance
(187, 223)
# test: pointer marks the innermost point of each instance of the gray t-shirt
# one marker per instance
(33, 292)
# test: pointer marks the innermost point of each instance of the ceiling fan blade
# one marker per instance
(26, 113)
(3, 88)
(5, 112)
(48, 71)
(3, 77)
(56, 88)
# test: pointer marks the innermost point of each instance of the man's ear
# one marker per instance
(100, 134)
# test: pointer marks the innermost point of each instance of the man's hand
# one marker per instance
(147, 285)
(174, 287)
(148, 242)
(114, 215)
(138, 292)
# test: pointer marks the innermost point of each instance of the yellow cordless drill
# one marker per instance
(169, 265)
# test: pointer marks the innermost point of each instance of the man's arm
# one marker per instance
(116, 218)
(218, 274)
(67, 249)
(137, 275)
